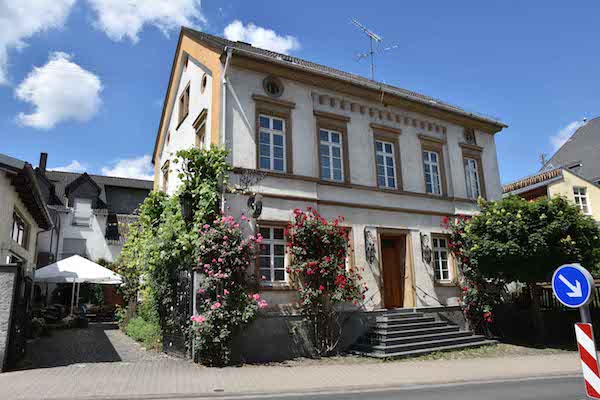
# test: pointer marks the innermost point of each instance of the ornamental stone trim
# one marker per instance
(376, 114)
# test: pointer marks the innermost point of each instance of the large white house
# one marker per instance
(391, 161)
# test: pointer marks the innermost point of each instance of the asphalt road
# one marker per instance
(563, 388)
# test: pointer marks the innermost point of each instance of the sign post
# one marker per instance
(573, 286)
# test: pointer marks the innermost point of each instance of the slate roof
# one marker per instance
(23, 179)
(582, 147)
(221, 43)
(107, 185)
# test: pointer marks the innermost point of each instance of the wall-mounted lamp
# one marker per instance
(425, 248)
(369, 246)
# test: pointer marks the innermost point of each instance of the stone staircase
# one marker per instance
(410, 332)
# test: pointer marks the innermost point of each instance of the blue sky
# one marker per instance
(103, 71)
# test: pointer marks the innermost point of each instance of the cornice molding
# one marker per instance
(270, 100)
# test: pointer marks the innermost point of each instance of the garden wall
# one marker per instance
(276, 337)
(8, 278)
(516, 324)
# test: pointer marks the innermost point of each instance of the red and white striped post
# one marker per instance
(589, 358)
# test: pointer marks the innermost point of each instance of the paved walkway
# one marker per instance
(150, 375)
(99, 343)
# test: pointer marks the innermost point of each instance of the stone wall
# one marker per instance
(8, 277)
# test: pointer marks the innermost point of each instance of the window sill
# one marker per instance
(282, 287)
(445, 284)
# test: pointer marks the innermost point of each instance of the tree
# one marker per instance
(519, 240)
(516, 239)
(319, 249)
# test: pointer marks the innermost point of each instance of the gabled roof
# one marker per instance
(62, 181)
(79, 180)
(220, 44)
(24, 180)
(582, 147)
(540, 179)
(533, 180)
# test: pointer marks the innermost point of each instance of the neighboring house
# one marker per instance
(393, 162)
(581, 153)
(93, 213)
(23, 216)
(559, 182)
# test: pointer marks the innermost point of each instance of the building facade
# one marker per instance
(394, 163)
(92, 213)
(23, 217)
(580, 152)
(559, 182)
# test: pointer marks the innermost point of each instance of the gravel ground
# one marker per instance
(492, 351)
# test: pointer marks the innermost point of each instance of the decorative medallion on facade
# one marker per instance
(469, 135)
(273, 86)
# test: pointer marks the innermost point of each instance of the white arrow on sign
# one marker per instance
(575, 289)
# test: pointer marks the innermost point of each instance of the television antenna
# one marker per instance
(371, 53)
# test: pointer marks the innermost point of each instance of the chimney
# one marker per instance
(43, 160)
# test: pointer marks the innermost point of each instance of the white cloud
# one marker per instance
(138, 168)
(564, 134)
(20, 20)
(261, 37)
(59, 91)
(121, 19)
(73, 166)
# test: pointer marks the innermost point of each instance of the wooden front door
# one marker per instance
(394, 259)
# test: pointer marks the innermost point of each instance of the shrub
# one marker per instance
(319, 249)
(145, 332)
(230, 301)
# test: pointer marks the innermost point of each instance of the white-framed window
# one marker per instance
(441, 267)
(82, 211)
(472, 176)
(330, 149)
(431, 163)
(20, 230)
(581, 199)
(386, 164)
(272, 255)
(271, 143)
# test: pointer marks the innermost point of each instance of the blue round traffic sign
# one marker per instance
(572, 285)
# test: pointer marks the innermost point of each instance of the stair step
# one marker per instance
(420, 352)
(397, 316)
(426, 344)
(387, 342)
(394, 333)
(407, 320)
(430, 323)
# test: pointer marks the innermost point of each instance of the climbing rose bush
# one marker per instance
(319, 249)
(479, 296)
(227, 299)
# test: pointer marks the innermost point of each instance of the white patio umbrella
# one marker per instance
(77, 270)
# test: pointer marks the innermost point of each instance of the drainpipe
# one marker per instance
(229, 51)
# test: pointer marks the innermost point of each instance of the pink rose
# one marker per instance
(216, 305)
(262, 304)
(201, 291)
(256, 296)
(225, 292)
(220, 259)
(321, 288)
